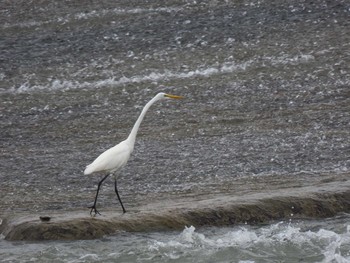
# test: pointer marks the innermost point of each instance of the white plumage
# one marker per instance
(111, 160)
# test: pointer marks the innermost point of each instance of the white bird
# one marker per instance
(115, 158)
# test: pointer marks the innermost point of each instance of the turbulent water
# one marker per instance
(266, 86)
(308, 241)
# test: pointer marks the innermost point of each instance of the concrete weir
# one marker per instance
(325, 200)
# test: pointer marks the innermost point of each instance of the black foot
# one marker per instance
(94, 210)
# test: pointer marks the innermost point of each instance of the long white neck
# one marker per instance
(133, 133)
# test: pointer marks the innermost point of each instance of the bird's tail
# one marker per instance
(88, 170)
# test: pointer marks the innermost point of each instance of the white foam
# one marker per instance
(89, 257)
(88, 15)
(282, 236)
(156, 76)
(286, 59)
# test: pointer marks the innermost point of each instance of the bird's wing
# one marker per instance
(111, 160)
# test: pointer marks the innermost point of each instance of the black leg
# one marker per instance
(116, 191)
(93, 208)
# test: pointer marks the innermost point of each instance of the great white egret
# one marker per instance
(115, 158)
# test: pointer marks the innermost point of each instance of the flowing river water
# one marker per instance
(266, 108)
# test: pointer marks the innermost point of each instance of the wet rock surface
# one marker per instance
(324, 200)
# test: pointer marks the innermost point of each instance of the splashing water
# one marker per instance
(303, 241)
(289, 241)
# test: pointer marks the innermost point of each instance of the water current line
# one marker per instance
(225, 68)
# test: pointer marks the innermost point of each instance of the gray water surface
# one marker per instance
(266, 86)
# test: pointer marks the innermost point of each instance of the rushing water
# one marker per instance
(307, 241)
(267, 96)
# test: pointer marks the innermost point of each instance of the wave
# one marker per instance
(165, 75)
(285, 237)
(152, 77)
(62, 20)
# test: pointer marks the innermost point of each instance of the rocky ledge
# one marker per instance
(324, 200)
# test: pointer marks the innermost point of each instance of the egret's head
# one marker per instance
(163, 95)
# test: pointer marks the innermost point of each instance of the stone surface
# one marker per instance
(326, 200)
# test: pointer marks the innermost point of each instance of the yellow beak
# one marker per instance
(173, 96)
